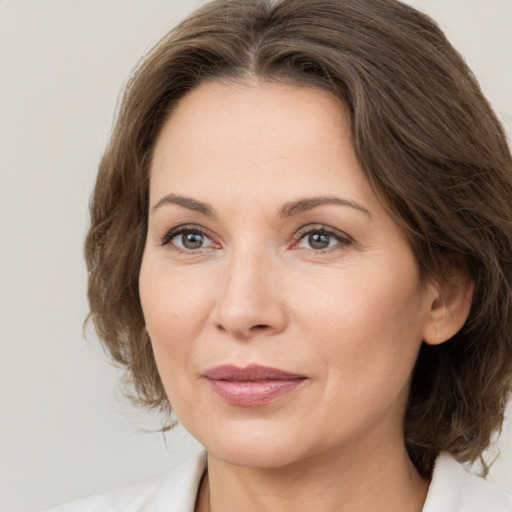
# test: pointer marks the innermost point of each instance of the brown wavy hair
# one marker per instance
(430, 145)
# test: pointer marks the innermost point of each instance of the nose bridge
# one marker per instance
(249, 299)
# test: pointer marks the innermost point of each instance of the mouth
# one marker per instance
(251, 386)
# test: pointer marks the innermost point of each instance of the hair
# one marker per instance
(429, 143)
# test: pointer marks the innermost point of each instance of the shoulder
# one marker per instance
(174, 491)
(454, 489)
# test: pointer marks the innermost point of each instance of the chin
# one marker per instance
(253, 447)
(248, 455)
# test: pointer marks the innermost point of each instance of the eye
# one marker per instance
(188, 239)
(321, 239)
(318, 240)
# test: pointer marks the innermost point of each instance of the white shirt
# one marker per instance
(452, 489)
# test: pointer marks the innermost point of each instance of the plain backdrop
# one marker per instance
(65, 430)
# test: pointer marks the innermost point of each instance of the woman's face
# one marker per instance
(283, 303)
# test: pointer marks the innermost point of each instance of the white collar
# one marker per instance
(453, 489)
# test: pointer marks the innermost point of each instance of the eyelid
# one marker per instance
(312, 228)
(183, 228)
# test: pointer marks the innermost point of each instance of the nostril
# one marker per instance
(260, 327)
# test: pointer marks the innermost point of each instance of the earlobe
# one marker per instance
(449, 309)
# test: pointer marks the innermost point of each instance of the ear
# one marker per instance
(450, 303)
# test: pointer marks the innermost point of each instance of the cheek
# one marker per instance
(368, 322)
(175, 311)
(362, 300)
(370, 334)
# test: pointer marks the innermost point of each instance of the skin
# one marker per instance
(349, 317)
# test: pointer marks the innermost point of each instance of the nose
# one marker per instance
(250, 300)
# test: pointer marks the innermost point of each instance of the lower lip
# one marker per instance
(253, 393)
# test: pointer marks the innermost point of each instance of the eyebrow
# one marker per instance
(186, 202)
(287, 210)
(303, 205)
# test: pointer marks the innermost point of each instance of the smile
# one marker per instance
(251, 386)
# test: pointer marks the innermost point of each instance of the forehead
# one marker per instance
(213, 101)
(262, 113)
(259, 139)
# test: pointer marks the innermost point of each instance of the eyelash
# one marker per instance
(342, 238)
(180, 230)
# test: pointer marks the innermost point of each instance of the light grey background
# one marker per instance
(65, 430)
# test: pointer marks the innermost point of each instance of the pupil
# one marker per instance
(192, 240)
(319, 240)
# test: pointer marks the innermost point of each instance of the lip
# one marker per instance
(251, 386)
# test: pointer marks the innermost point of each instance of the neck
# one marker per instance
(385, 481)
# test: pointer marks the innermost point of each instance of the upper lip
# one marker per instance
(253, 372)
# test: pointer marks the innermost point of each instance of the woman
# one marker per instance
(300, 241)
